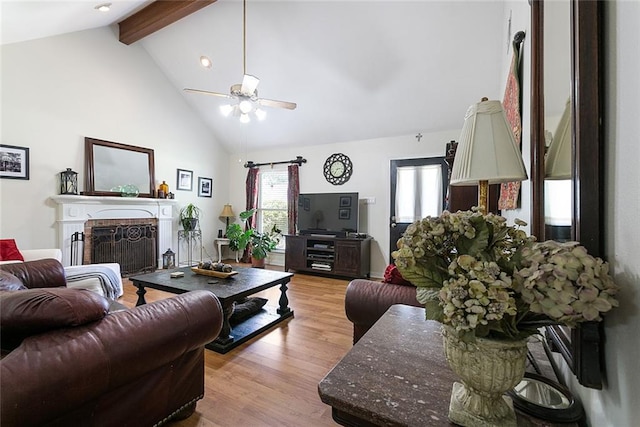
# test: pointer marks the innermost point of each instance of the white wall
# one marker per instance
(57, 90)
(617, 404)
(370, 178)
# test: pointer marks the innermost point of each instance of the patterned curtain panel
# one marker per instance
(510, 191)
(252, 202)
(293, 192)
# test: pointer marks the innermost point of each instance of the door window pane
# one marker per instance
(418, 192)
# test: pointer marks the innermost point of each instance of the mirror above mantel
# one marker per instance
(111, 165)
(580, 347)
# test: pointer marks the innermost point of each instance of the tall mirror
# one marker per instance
(580, 179)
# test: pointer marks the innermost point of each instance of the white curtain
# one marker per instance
(418, 192)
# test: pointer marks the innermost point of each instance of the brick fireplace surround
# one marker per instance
(74, 211)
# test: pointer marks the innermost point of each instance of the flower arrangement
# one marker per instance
(487, 279)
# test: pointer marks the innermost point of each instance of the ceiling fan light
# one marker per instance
(245, 106)
(206, 62)
(104, 7)
(244, 118)
(261, 114)
(226, 109)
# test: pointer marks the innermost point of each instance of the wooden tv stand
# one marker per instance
(333, 256)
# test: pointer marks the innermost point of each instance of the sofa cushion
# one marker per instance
(9, 282)
(33, 311)
(392, 275)
(9, 250)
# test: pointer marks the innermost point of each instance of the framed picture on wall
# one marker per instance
(185, 180)
(205, 187)
(345, 201)
(14, 162)
(344, 213)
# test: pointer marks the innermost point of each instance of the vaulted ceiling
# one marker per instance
(357, 69)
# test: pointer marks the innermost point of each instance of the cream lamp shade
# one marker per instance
(227, 212)
(487, 151)
(557, 165)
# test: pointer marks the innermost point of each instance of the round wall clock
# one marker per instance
(337, 169)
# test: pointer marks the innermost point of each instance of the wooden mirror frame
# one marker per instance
(90, 169)
(583, 349)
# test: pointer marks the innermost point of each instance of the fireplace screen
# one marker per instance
(133, 246)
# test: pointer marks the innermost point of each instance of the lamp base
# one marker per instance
(483, 196)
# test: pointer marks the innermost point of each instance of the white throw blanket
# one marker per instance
(109, 280)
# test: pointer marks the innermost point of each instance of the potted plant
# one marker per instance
(492, 286)
(189, 216)
(262, 244)
(238, 237)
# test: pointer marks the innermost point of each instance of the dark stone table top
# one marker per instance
(397, 375)
(248, 281)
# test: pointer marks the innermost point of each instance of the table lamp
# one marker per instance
(558, 187)
(487, 151)
(557, 165)
(227, 213)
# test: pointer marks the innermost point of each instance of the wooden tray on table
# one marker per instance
(213, 273)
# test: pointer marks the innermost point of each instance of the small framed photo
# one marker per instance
(185, 180)
(344, 213)
(307, 204)
(14, 162)
(205, 187)
(345, 201)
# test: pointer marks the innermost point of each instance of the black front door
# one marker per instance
(418, 188)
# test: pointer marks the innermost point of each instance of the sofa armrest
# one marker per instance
(36, 254)
(366, 301)
(49, 373)
(43, 273)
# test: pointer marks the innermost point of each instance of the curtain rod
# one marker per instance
(298, 160)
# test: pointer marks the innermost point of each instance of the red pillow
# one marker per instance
(9, 251)
(392, 275)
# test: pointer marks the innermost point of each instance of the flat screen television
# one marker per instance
(328, 213)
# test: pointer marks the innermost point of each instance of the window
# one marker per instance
(418, 192)
(272, 202)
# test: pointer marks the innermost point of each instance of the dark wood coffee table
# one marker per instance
(247, 282)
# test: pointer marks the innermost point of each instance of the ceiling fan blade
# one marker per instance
(206, 92)
(249, 84)
(277, 104)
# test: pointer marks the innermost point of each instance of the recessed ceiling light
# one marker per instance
(205, 62)
(104, 7)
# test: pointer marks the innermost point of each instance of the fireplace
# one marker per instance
(141, 226)
(132, 243)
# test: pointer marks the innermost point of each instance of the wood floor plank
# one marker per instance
(272, 379)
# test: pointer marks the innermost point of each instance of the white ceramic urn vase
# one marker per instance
(487, 368)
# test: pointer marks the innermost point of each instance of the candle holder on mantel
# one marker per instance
(68, 182)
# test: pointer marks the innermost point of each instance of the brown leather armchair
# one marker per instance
(366, 301)
(68, 361)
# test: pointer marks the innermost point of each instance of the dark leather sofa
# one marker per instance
(69, 361)
(366, 301)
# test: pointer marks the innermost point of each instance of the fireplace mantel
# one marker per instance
(74, 211)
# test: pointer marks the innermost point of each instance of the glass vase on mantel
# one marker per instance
(487, 368)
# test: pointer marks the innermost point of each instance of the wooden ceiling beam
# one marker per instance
(156, 16)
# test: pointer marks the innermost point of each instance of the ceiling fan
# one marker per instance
(246, 92)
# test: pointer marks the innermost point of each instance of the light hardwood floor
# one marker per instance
(272, 379)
